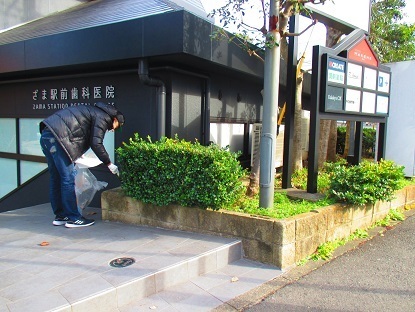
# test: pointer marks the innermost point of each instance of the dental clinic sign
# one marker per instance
(57, 98)
(350, 87)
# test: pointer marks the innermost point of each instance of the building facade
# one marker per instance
(155, 61)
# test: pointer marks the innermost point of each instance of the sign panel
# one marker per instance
(336, 71)
(353, 100)
(384, 82)
(354, 75)
(334, 101)
(353, 88)
(369, 79)
(382, 104)
(362, 52)
(368, 102)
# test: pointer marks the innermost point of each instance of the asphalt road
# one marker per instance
(377, 275)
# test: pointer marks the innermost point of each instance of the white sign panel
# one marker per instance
(369, 79)
(352, 100)
(369, 102)
(383, 82)
(354, 75)
(382, 104)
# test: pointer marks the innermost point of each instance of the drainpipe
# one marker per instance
(205, 98)
(161, 95)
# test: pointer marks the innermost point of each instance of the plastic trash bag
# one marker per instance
(86, 185)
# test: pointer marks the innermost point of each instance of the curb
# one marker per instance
(292, 275)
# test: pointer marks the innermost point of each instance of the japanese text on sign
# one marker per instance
(44, 98)
(336, 71)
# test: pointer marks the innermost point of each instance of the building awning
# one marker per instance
(106, 33)
(97, 13)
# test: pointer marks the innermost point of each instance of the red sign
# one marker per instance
(362, 52)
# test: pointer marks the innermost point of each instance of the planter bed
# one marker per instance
(278, 242)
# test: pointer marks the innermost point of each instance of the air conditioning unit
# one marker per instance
(256, 137)
(305, 130)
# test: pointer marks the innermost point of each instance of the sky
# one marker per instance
(339, 5)
(341, 9)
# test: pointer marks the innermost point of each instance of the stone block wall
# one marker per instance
(278, 242)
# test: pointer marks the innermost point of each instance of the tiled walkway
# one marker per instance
(173, 270)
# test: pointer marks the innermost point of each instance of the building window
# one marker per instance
(8, 135)
(29, 137)
(8, 168)
(28, 169)
(11, 164)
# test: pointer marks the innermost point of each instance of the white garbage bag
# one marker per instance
(86, 184)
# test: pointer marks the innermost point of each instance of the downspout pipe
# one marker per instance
(205, 98)
(161, 95)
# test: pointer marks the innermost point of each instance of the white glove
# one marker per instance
(114, 169)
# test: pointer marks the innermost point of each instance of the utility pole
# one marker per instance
(270, 109)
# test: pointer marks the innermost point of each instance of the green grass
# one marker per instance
(393, 215)
(284, 207)
(325, 250)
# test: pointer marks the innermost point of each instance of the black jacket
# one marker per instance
(79, 128)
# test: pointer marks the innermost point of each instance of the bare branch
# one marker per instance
(253, 53)
(287, 34)
(251, 27)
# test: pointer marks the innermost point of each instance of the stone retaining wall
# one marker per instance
(278, 242)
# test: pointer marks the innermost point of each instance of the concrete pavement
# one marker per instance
(53, 268)
(180, 271)
(373, 274)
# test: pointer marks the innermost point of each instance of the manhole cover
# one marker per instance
(122, 262)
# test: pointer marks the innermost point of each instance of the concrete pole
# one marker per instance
(270, 110)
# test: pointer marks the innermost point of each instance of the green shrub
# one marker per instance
(368, 142)
(180, 172)
(341, 140)
(367, 182)
(299, 177)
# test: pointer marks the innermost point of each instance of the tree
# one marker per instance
(233, 13)
(328, 128)
(391, 39)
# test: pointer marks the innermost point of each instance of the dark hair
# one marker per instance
(120, 118)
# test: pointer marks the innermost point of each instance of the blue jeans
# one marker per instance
(62, 177)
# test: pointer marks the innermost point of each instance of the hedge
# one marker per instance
(173, 171)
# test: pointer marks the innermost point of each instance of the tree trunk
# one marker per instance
(297, 148)
(253, 187)
(347, 141)
(331, 146)
(324, 140)
(328, 132)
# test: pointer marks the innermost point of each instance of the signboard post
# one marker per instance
(351, 89)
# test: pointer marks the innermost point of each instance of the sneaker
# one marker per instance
(79, 223)
(60, 220)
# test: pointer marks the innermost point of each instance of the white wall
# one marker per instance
(400, 136)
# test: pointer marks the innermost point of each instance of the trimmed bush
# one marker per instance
(367, 182)
(173, 171)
